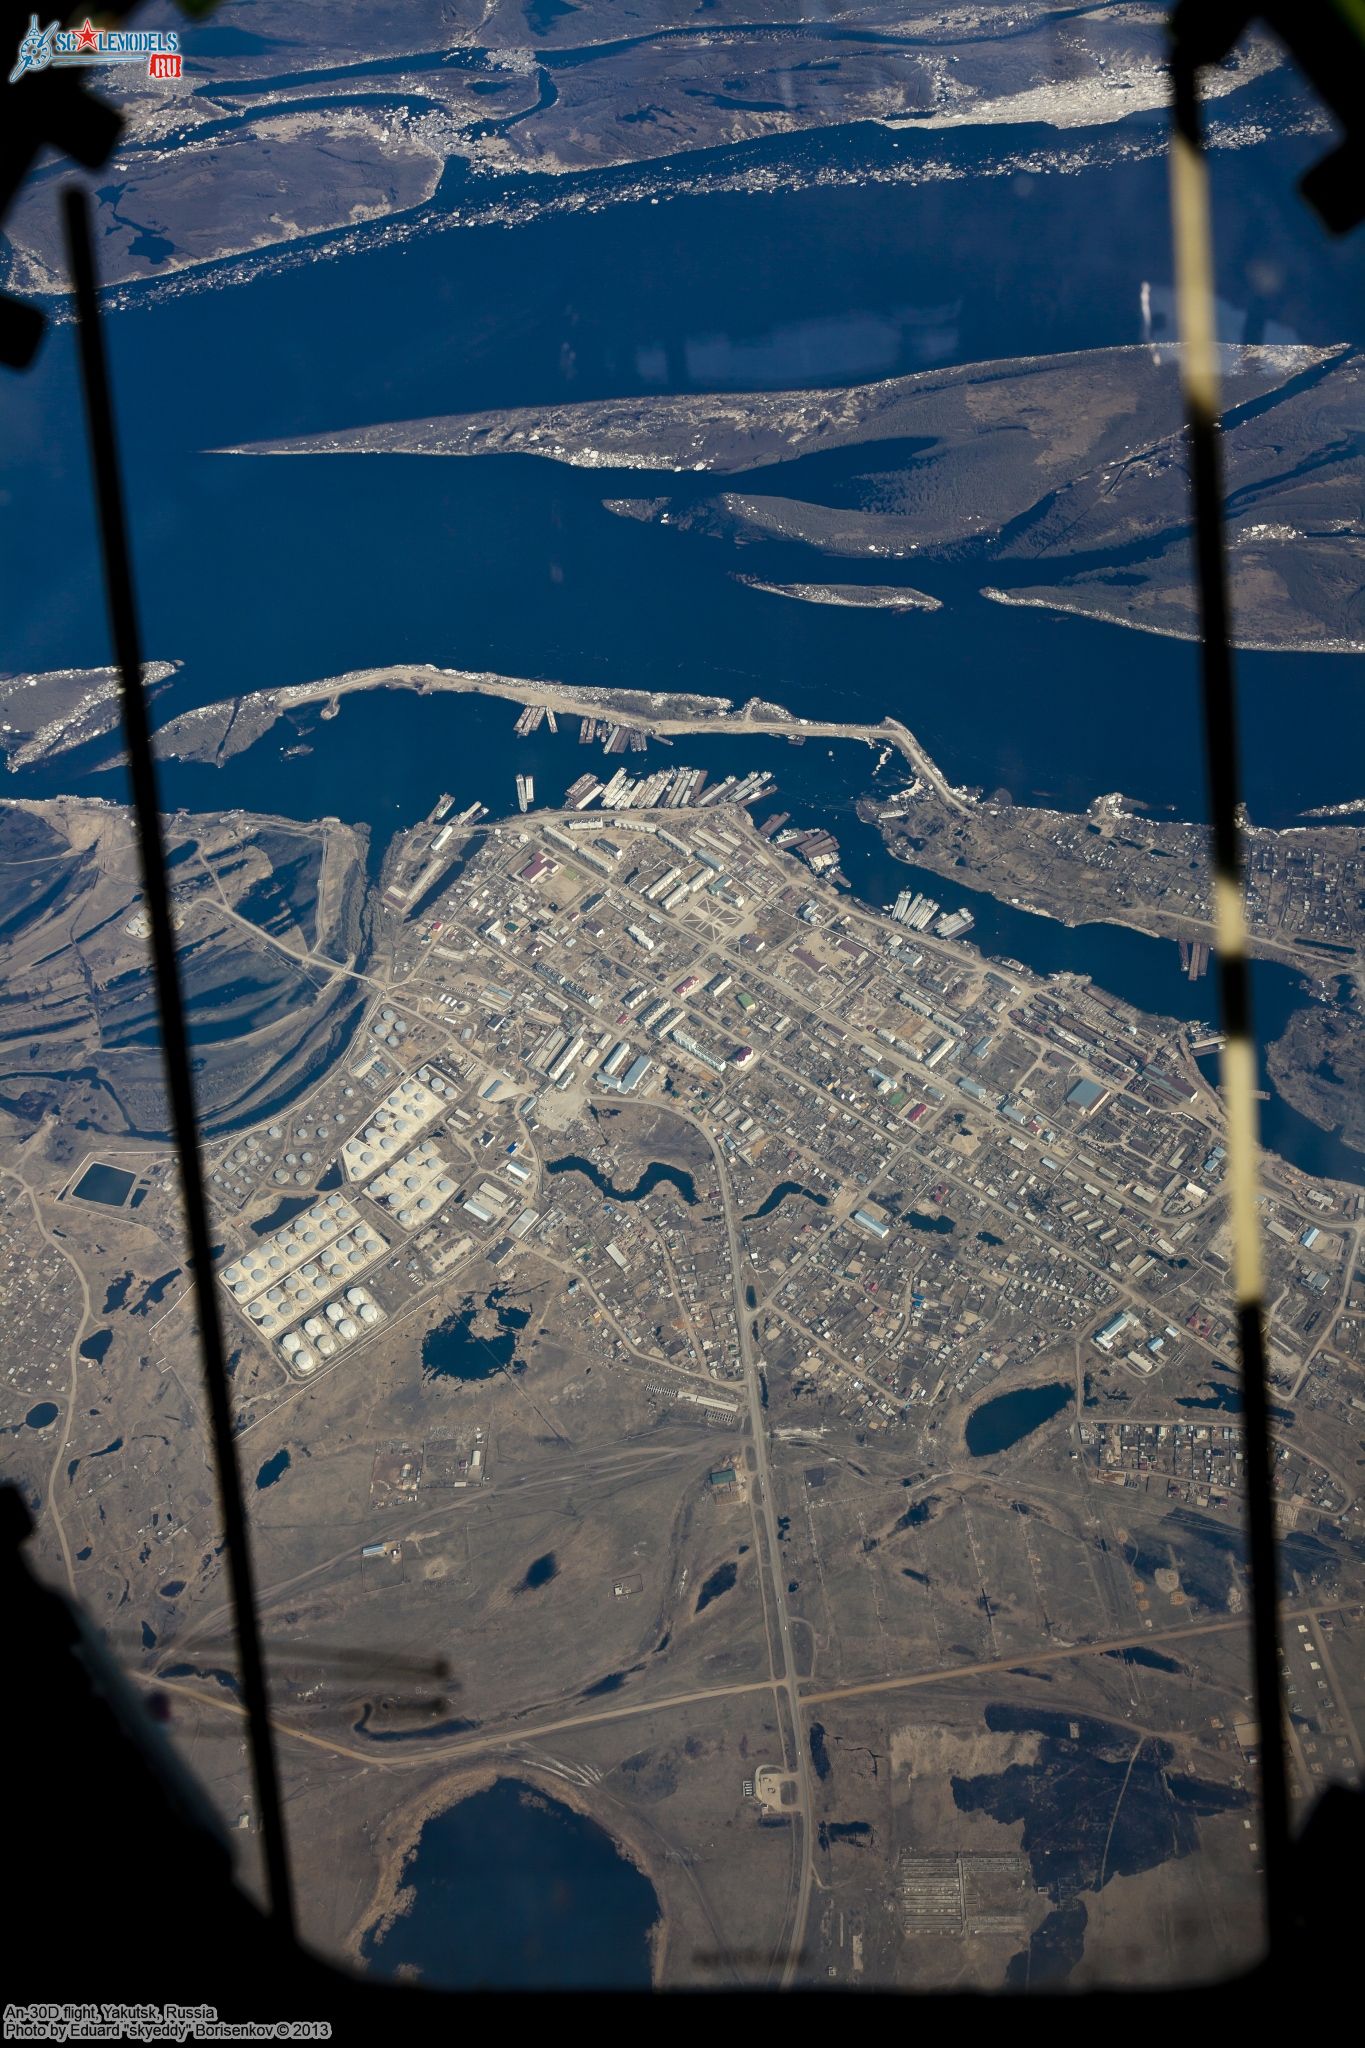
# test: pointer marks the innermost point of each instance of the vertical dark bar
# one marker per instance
(118, 579)
(1221, 746)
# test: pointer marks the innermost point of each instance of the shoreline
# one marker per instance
(854, 597)
(241, 722)
(215, 733)
(666, 714)
(1204, 932)
(1103, 618)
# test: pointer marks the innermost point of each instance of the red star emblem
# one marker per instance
(87, 39)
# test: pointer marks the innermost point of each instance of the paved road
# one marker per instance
(511, 1735)
(508, 1736)
(951, 1673)
(758, 1420)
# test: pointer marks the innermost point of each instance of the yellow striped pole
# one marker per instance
(1190, 219)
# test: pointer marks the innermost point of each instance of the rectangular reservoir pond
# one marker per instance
(108, 1184)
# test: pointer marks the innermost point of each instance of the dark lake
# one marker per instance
(779, 1195)
(539, 1572)
(117, 1293)
(1009, 1418)
(657, 1174)
(423, 1731)
(937, 1226)
(273, 1469)
(227, 1679)
(1149, 1660)
(719, 1581)
(283, 1212)
(1222, 1394)
(515, 1891)
(453, 1352)
(154, 1291)
(105, 1184)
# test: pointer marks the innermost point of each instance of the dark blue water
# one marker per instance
(1285, 1130)
(273, 1469)
(720, 1581)
(938, 1226)
(105, 1184)
(42, 1415)
(423, 1732)
(1149, 1660)
(514, 1891)
(657, 1174)
(1009, 1418)
(154, 1291)
(227, 1679)
(514, 564)
(779, 1195)
(452, 1351)
(544, 582)
(117, 1293)
(291, 1206)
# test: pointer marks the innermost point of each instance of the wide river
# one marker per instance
(256, 573)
